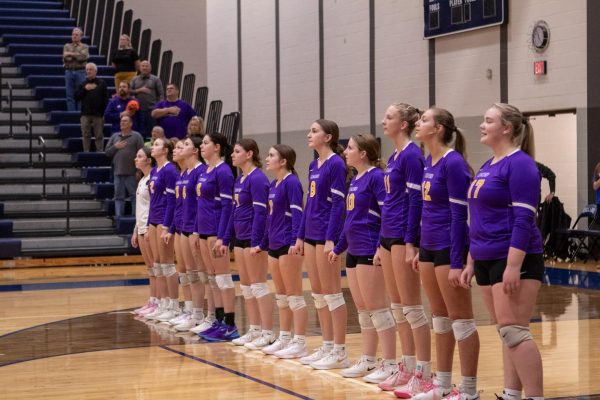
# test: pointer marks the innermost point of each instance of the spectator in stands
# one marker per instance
(195, 126)
(173, 114)
(157, 133)
(75, 55)
(123, 104)
(122, 148)
(125, 60)
(93, 95)
(148, 90)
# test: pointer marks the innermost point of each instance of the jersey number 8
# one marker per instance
(350, 202)
(313, 188)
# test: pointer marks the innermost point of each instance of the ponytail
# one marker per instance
(444, 118)
(527, 139)
(522, 132)
(224, 149)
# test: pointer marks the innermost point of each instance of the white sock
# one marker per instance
(153, 300)
(424, 367)
(174, 304)
(328, 344)
(410, 362)
(369, 358)
(509, 394)
(188, 306)
(340, 347)
(286, 335)
(443, 379)
(300, 339)
(267, 332)
(469, 385)
(197, 313)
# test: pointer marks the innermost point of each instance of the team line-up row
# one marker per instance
(402, 225)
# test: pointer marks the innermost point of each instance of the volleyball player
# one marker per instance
(400, 217)
(442, 253)
(361, 238)
(162, 206)
(506, 245)
(144, 162)
(247, 227)
(283, 222)
(214, 191)
(320, 229)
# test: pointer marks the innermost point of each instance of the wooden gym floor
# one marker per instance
(68, 334)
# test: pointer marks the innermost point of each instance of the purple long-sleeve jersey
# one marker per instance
(503, 200)
(366, 194)
(401, 210)
(162, 194)
(285, 213)
(445, 208)
(323, 216)
(189, 197)
(214, 192)
(249, 216)
(177, 223)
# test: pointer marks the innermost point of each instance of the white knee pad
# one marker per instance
(212, 281)
(282, 300)
(151, 272)
(157, 270)
(463, 328)
(513, 335)
(397, 313)
(296, 302)
(184, 279)
(319, 300)
(224, 281)
(193, 276)
(383, 319)
(334, 301)
(415, 315)
(260, 289)
(364, 320)
(441, 325)
(168, 269)
(246, 292)
(203, 277)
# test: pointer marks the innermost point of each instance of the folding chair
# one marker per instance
(583, 242)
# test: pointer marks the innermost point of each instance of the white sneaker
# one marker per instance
(186, 325)
(316, 355)
(203, 325)
(460, 395)
(385, 370)
(436, 393)
(159, 310)
(362, 367)
(249, 336)
(264, 340)
(334, 360)
(168, 315)
(294, 350)
(281, 343)
(179, 319)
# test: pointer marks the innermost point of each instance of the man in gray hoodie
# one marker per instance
(122, 148)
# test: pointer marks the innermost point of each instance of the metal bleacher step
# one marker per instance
(35, 191)
(19, 115)
(75, 245)
(21, 145)
(13, 79)
(15, 160)
(17, 92)
(31, 102)
(57, 226)
(35, 175)
(52, 208)
(13, 69)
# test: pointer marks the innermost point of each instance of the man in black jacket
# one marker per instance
(93, 94)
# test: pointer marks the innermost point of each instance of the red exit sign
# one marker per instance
(540, 67)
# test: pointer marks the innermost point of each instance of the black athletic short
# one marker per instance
(387, 243)
(242, 244)
(489, 272)
(154, 225)
(186, 234)
(437, 257)
(313, 242)
(205, 237)
(282, 251)
(352, 261)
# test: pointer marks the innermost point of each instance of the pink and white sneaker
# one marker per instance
(151, 308)
(398, 379)
(417, 384)
(460, 395)
(142, 308)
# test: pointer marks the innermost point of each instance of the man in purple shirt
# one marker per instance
(118, 107)
(173, 114)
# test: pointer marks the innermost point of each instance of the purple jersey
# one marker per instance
(323, 216)
(445, 208)
(249, 215)
(285, 213)
(177, 222)
(401, 210)
(503, 200)
(214, 190)
(189, 197)
(363, 214)
(162, 194)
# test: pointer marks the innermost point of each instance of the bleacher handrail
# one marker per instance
(29, 128)
(42, 157)
(10, 109)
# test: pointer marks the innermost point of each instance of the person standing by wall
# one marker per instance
(75, 55)
(173, 114)
(125, 60)
(93, 95)
(148, 90)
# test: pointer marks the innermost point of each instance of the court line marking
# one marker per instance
(238, 373)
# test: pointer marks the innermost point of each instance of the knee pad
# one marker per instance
(441, 325)
(246, 292)
(281, 300)
(463, 328)
(334, 301)
(397, 313)
(319, 300)
(383, 319)
(513, 335)
(296, 302)
(364, 320)
(184, 279)
(212, 281)
(157, 270)
(168, 269)
(260, 289)
(203, 277)
(151, 272)
(415, 315)
(193, 276)
(224, 281)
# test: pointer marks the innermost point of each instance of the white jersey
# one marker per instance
(142, 206)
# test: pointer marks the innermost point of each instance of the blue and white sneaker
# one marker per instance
(215, 326)
(225, 333)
